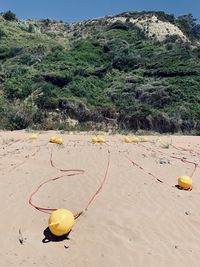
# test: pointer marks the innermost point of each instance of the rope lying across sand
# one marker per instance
(184, 160)
(174, 157)
(186, 149)
(69, 172)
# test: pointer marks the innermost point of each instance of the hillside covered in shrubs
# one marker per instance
(119, 72)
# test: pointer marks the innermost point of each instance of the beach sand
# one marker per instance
(134, 221)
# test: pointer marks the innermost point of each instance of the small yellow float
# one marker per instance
(94, 139)
(34, 136)
(101, 140)
(127, 139)
(59, 141)
(52, 139)
(144, 139)
(135, 140)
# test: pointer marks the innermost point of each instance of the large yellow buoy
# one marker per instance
(127, 139)
(61, 222)
(52, 139)
(34, 136)
(185, 182)
(59, 141)
(135, 140)
(101, 140)
(94, 139)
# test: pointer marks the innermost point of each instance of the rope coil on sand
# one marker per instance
(68, 172)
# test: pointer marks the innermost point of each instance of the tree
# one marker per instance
(9, 16)
(191, 21)
(196, 30)
(189, 26)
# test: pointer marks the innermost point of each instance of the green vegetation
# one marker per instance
(113, 77)
(9, 16)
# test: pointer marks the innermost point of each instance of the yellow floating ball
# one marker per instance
(52, 139)
(59, 141)
(61, 222)
(127, 139)
(94, 139)
(135, 140)
(101, 140)
(185, 182)
(144, 139)
(34, 136)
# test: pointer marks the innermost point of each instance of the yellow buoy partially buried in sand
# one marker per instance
(61, 222)
(185, 182)
(94, 139)
(34, 136)
(135, 140)
(52, 139)
(101, 140)
(127, 139)
(144, 139)
(59, 141)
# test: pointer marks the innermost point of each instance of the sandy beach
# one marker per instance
(135, 220)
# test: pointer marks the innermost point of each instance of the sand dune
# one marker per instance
(134, 221)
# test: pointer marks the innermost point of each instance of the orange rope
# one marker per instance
(76, 171)
(68, 172)
(141, 168)
(98, 189)
(185, 149)
(174, 157)
(73, 172)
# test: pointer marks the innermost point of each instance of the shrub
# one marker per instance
(187, 23)
(31, 28)
(18, 115)
(46, 22)
(10, 16)
(59, 80)
(115, 75)
(2, 33)
(172, 38)
(118, 25)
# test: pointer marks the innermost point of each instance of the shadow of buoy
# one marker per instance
(49, 237)
(180, 188)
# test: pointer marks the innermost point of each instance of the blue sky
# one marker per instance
(77, 10)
